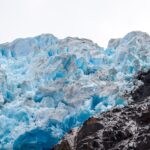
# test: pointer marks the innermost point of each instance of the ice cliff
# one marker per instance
(50, 85)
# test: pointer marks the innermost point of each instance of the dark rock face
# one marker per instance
(144, 90)
(125, 128)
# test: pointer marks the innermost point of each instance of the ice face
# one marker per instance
(50, 85)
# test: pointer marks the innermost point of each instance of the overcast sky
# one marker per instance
(98, 20)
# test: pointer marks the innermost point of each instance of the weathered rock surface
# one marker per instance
(144, 90)
(125, 128)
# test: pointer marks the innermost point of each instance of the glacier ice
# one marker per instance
(50, 85)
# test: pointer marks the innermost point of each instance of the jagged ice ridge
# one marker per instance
(50, 85)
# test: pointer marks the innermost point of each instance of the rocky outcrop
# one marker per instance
(125, 128)
(144, 90)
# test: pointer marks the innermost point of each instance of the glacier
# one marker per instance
(49, 85)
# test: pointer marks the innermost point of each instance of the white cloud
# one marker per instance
(98, 20)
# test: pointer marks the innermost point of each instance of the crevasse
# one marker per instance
(50, 85)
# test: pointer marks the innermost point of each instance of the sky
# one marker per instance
(98, 20)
